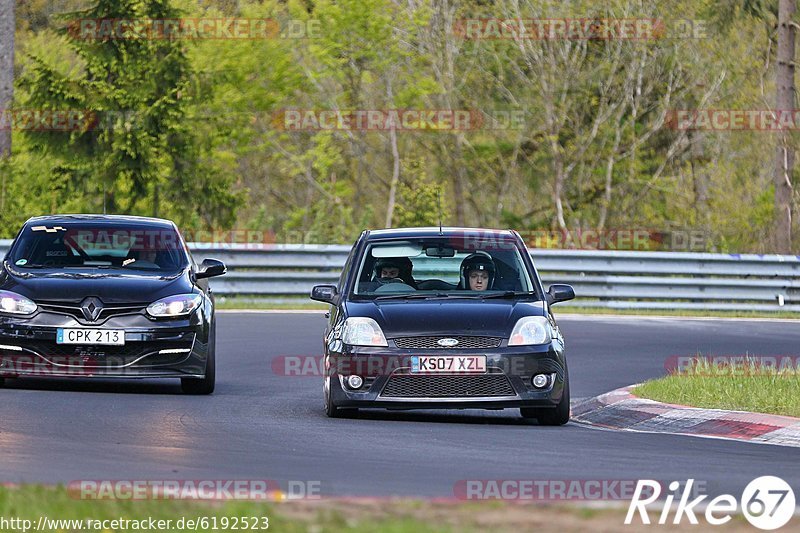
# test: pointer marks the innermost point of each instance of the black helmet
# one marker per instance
(402, 264)
(477, 261)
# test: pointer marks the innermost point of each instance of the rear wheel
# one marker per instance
(204, 385)
(2, 381)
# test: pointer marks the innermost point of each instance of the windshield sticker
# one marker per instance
(48, 230)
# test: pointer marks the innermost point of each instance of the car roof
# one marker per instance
(435, 231)
(130, 219)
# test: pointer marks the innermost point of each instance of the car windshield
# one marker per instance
(441, 267)
(95, 245)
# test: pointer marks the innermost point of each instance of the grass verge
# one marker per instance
(30, 502)
(744, 386)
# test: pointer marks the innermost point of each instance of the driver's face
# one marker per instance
(390, 272)
(478, 280)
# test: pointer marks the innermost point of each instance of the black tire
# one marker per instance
(557, 416)
(2, 381)
(204, 385)
(331, 410)
(334, 411)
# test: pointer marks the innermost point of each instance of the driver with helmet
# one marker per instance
(393, 270)
(477, 272)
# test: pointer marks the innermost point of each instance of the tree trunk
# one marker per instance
(784, 160)
(6, 69)
(700, 180)
(7, 27)
(395, 177)
(459, 178)
(395, 164)
(609, 183)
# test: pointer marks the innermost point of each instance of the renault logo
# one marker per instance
(447, 343)
(91, 307)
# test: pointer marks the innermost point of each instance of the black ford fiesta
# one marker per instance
(446, 319)
(106, 296)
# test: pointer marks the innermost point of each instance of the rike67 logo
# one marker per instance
(767, 503)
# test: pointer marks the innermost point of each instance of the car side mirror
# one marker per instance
(210, 268)
(324, 293)
(559, 293)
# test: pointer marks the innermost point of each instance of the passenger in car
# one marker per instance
(477, 272)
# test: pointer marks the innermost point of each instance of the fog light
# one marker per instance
(355, 382)
(540, 381)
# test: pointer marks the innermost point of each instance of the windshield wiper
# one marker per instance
(473, 296)
(504, 294)
(456, 296)
(412, 296)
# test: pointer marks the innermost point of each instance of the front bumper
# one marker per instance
(153, 348)
(389, 383)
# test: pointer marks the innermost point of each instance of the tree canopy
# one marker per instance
(566, 134)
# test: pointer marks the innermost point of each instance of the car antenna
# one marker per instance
(439, 201)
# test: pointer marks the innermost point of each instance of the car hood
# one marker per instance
(113, 287)
(401, 318)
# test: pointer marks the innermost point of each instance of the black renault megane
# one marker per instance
(444, 319)
(106, 296)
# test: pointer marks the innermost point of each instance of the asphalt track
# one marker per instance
(260, 425)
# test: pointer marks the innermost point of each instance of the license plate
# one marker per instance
(469, 364)
(90, 336)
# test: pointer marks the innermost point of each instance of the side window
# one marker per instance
(346, 269)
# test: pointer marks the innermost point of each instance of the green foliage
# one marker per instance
(192, 129)
(141, 153)
(420, 199)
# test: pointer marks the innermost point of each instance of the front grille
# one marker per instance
(431, 343)
(413, 386)
(107, 311)
(105, 356)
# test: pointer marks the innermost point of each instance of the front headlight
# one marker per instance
(16, 304)
(362, 331)
(171, 306)
(530, 330)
